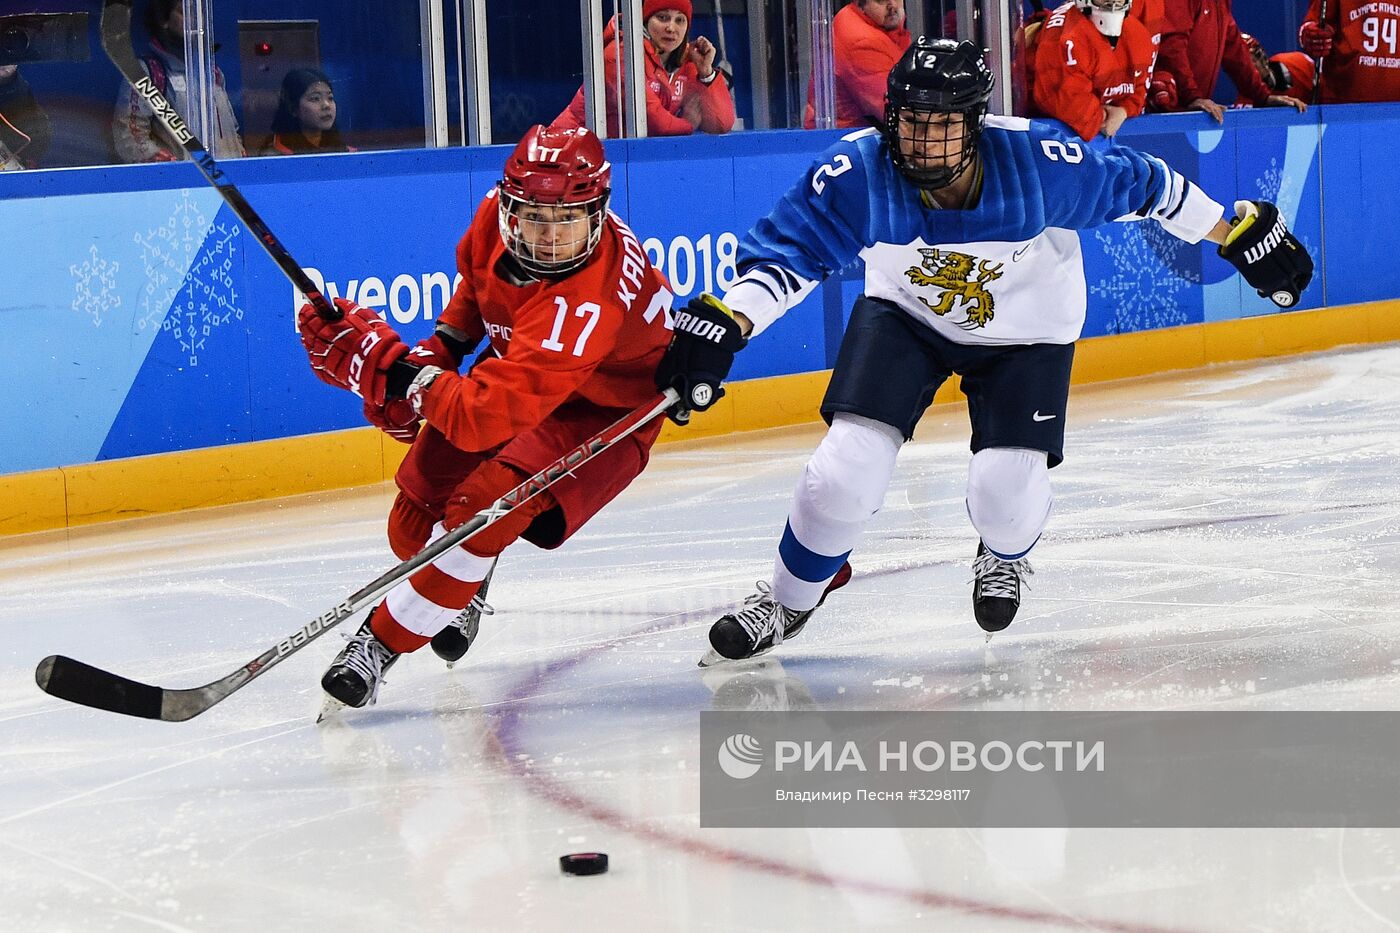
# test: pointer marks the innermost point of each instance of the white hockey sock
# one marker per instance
(427, 602)
(841, 488)
(1008, 498)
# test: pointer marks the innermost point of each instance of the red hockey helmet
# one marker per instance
(554, 199)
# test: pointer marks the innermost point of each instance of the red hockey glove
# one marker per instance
(396, 416)
(354, 352)
(1316, 38)
(1162, 91)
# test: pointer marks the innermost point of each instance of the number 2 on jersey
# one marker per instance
(1057, 151)
(588, 309)
(837, 166)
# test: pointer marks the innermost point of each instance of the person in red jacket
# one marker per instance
(868, 37)
(1199, 38)
(1289, 73)
(576, 320)
(1359, 45)
(1092, 63)
(685, 92)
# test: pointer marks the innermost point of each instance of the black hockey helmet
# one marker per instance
(936, 76)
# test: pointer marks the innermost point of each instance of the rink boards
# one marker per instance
(153, 325)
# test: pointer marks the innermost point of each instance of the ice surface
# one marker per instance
(1223, 539)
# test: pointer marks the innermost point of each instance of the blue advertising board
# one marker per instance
(150, 321)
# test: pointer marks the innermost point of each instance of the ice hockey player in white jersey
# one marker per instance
(967, 226)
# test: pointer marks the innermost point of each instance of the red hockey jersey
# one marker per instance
(596, 335)
(1077, 71)
(1364, 65)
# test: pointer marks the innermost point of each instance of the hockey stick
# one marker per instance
(1317, 62)
(82, 683)
(116, 42)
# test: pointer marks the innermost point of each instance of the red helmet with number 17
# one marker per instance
(554, 199)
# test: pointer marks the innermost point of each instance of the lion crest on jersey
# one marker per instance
(962, 279)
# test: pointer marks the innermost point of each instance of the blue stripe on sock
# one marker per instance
(1015, 556)
(804, 563)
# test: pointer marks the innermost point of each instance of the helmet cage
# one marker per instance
(936, 77)
(911, 128)
(546, 243)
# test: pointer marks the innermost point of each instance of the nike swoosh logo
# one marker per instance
(1039, 417)
(1016, 256)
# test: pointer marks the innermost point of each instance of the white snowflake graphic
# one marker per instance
(1272, 184)
(1148, 274)
(95, 282)
(207, 298)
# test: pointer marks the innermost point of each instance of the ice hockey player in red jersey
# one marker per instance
(1092, 64)
(1359, 45)
(576, 321)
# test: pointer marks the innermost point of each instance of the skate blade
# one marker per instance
(713, 657)
(330, 709)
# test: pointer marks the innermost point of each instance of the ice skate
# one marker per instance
(452, 643)
(763, 624)
(354, 677)
(996, 589)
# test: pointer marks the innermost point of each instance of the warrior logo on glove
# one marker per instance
(1269, 257)
(700, 355)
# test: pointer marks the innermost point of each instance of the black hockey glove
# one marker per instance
(700, 355)
(1270, 258)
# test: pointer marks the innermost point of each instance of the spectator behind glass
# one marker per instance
(867, 38)
(1289, 73)
(1091, 63)
(305, 119)
(1358, 48)
(685, 92)
(1198, 39)
(136, 134)
(24, 127)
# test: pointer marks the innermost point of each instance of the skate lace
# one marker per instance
(764, 616)
(1000, 577)
(367, 656)
(477, 608)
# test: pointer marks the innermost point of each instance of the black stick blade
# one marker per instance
(82, 683)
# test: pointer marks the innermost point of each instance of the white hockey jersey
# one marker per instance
(1008, 270)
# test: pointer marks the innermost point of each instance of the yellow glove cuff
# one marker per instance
(1245, 216)
(711, 301)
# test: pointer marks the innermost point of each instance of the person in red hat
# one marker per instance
(867, 38)
(577, 323)
(685, 92)
(1288, 73)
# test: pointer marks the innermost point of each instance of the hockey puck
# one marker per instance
(584, 863)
